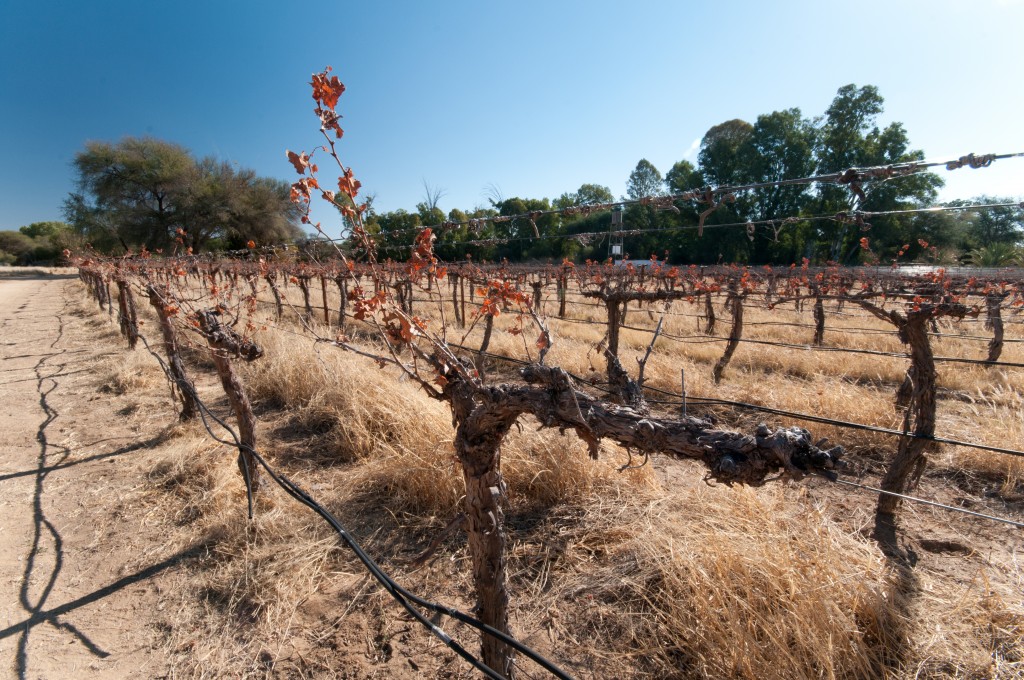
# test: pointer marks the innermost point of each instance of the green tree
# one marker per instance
(645, 180)
(152, 193)
(16, 247)
(682, 177)
(781, 147)
(982, 228)
(848, 137)
(587, 194)
(45, 229)
(395, 232)
(726, 158)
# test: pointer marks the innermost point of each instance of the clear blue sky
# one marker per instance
(534, 98)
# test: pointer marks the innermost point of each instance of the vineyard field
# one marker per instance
(617, 566)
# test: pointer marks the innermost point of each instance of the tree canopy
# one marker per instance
(153, 193)
(778, 145)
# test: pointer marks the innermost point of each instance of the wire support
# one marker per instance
(923, 501)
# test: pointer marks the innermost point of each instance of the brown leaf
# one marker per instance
(299, 161)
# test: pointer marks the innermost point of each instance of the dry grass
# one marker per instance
(625, 574)
(756, 587)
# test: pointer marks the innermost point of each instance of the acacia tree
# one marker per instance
(645, 180)
(153, 193)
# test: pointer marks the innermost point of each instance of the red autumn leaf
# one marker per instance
(542, 341)
(348, 184)
(251, 244)
(327, 89)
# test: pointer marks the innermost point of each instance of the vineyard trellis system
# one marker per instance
(223, 304)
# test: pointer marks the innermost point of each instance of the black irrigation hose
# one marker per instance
(400, 594)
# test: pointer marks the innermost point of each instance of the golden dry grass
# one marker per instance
(628, 574)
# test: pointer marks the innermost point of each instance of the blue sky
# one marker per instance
(534, 98)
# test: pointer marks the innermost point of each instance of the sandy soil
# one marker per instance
(77, 596)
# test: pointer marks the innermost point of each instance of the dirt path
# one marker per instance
(76, 597)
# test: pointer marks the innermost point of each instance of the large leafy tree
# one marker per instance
(645, 180)
(152, 193)
(848, 137)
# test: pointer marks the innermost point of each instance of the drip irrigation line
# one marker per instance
(398, 593)
(915, 499)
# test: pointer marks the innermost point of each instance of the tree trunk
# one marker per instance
(614, 321)
(709, 312)
(307, 316)
(909, 462)
(994, 322)
(126, 313)
(272, 282)
(819, 321)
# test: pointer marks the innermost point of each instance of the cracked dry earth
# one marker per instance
(81, 587)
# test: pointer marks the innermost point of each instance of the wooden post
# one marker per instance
(343, 292)
(453, 282)
(323, 290)
(563, 281)
(462, 296)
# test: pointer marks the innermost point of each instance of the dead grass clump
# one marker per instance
(755, 587)
(199, 473)
(351, 409)
(132, 372)
(544, 467)
(250, 575)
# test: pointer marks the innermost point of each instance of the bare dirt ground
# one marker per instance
(78, 595)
